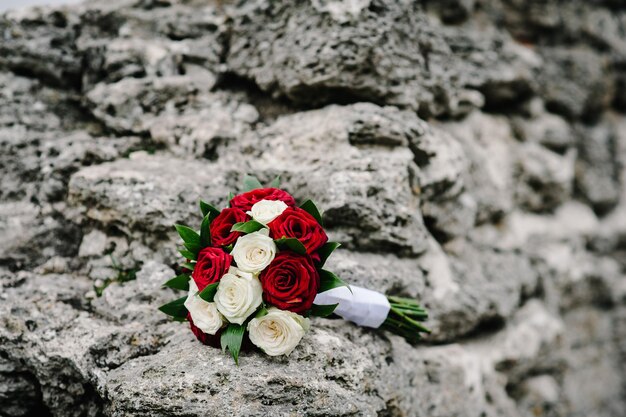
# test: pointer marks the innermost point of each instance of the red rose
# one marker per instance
(290, 282)
(212, 264)
(215, 340)
(245, 201)
(295, 222)
(221, 225)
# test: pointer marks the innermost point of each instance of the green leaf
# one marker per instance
(179, 282)
(250, 226)
(175, 308)
(231, 195)
(275, 182)
(193, 248)
(325, 251)
(187, 254)
(250, 183)
(208, 209)
(262, 311)
(328, 281)
(205, 232)
(231, 339)
(190, 237)
(292, 244)
(323, 310)
(189, 265)
(310, 207)
(187, 233)
(208, 292)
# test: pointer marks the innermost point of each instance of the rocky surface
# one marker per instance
(468, 153)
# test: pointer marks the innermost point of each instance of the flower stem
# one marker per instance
(405, 317)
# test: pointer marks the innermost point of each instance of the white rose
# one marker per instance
(238, 296)
(265, 211)
(205, 315)
(278, 332)
(254, 252)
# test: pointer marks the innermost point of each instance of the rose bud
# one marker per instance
(221, 225)
(278, 332)
(267, 210)
(297, 223)
(212, 264)
(245, 201)
(291, 282)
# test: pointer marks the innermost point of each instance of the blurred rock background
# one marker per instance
(470, 153)
(16, 4)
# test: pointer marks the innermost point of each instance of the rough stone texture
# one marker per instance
(469, 154)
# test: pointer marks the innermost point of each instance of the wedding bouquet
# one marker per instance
(255, 274)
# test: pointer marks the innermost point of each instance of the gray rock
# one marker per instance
(443, 165)
(470, 155)
(351, 162)
(126, 40)
(203, 130)
(453, 11)
(131, 105)
(452, 218)
(94, 243)
(593, 382)
(115, 59)
(490, 62)
(545, 179)
(574, 82)
(620, 90)
(385, 273)
(374, 51)
(597, 171)
(22, 224)
(19, 391)
(442, 175)
(145, 193)
(346, 54)
(474, 288)
(105, 358)
(487, 142)
(597, 23)
(41, 42)
(547, 129)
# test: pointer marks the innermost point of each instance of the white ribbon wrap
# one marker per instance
(362, 306)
